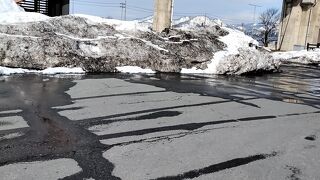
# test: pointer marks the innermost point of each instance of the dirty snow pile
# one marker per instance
(237, 57)
(301, 57)
(11, 13)
(195, 45)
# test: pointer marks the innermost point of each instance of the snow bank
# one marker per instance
(302, 57)
(21, 17)
(134, 69)
(248, 60)
(62, 70)
(234, 41)
(9, 6)
(8, 71)
(48, 71)
(11, 13)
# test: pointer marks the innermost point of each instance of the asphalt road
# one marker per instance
(162, 126)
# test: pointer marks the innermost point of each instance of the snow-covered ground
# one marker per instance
(48, 71)
(302, 57)
(134, 69)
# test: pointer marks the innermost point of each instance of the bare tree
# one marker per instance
(269, 20)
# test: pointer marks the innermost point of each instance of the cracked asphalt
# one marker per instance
(161, 126)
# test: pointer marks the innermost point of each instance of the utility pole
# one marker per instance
(163, 14)
(205, 19)
(125, 10)
(254, 14)
(123, 7)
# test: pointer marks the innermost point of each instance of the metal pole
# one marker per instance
(205, 19)
(254, 14)
(125, 10)
(122, 6)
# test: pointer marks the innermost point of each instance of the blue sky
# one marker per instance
(231, 11)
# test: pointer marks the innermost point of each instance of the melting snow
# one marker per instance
(304, 56)
(234, 40)
(134, 69)
(48, 71)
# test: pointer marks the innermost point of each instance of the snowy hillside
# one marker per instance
(187, 23)
(255, 31)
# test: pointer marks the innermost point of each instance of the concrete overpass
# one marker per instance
(300, 24)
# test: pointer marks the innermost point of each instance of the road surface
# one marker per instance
(163, 126)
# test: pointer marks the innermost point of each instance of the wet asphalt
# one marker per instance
(52, 136)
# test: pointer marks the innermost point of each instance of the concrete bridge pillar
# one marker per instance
(162, 15)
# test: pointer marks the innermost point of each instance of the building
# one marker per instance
(47, 7)
(300, 24)
(162, 15)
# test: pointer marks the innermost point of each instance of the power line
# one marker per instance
(141, 8)
(125, 7)
(254, 11)
(96, 4)
(138, 10)
(93, 2)
(254, 15)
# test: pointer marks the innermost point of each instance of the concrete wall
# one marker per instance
(162, 15)
(295, 29)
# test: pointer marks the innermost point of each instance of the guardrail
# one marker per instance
(312, 46)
